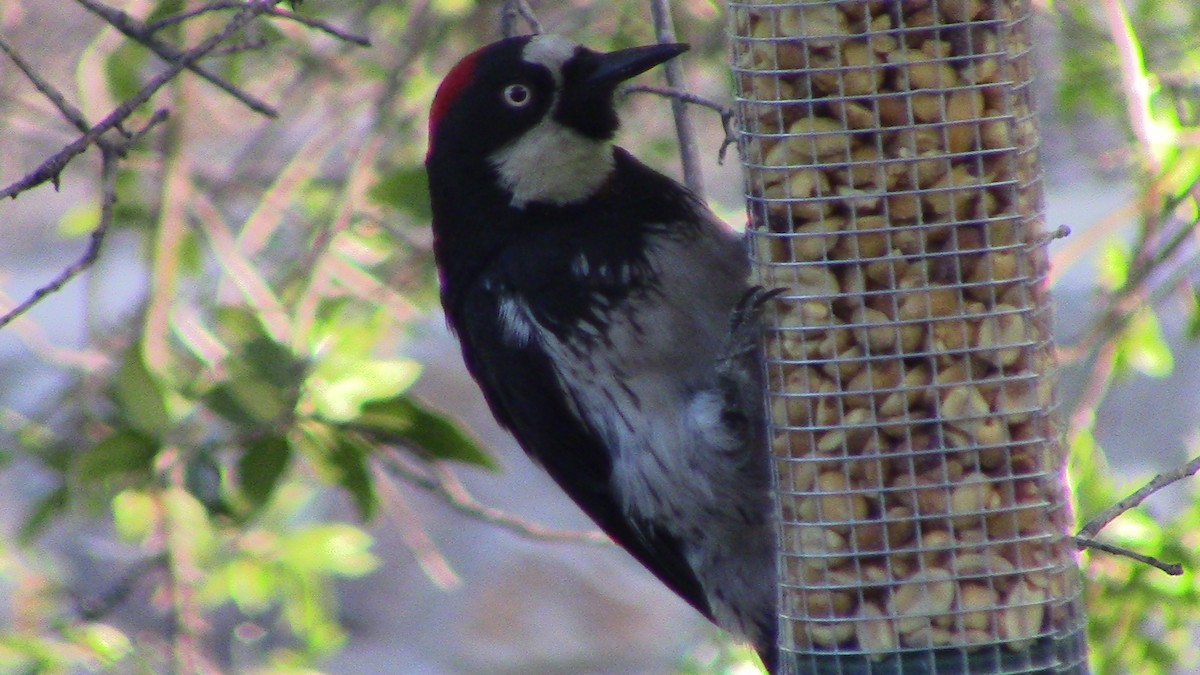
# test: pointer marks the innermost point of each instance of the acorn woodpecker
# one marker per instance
(606, 314)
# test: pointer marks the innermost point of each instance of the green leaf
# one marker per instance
(331, 548)
(340, 457)
(261, 466)
(238, 325)
(135, 514)
(105, 642)
(274, 362)
(79, 220)
(403, 420)
(1192, 331)
(202, 477)
(251, 584)
(1114, 265)
(164, 8)
(339, 390)
(43, 510)
(248, 401)
(1143, 346)
(123, 451)
(405, 189)
(139, 396)
(349, 461)
(123, 69)
(186, 514)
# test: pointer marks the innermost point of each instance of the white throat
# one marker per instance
(553, 163)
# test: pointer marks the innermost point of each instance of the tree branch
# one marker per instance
(108, 191)
(510, 11)
(1162, 480)
(435, 477)
(323, 26)
(1136, 84)
(69, 111)
(111, 151)
(135, 30)
(726, 112)
(50, 169)
(689, 151)
(98, 606)
(1174, 569)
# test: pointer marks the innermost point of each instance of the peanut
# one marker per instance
(891, 162)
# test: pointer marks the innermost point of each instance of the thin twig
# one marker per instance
(111, 152)
(99, 606)
(1093, 526)
(1095, 388)
(413, 534)
(323, 26)
(320, 25)
(1136, 84)
(1174, 569)
(108, 191)
(510, 11)
(726, 112)
(136, 30)
(155, 26)
(239, 48)
(69, 111)
(689, 151)
(50, 169)
(187, 626)
(420, 19)
(439, 480)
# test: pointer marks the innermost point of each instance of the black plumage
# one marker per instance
(592, 297)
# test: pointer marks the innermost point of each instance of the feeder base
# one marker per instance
(1048, 656)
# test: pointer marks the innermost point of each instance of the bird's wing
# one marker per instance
(525, 396)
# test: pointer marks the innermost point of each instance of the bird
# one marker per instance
(608, 317)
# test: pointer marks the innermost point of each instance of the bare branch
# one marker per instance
(155, 26)
(110, 154)
(99, 606)
(110, 151)
(689, 151)
(135, 30)
(69, 111)
(726, 112)
(1136, 84)
(239, 48)
(413, 534)
(50, 169)
(1174, 569)
(441, 481)
(510, 11)
(108, 190)
(1162, 480)
(320, 25)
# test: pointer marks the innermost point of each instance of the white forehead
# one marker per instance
(551, 51)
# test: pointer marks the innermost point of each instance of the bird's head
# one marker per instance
(538, 112)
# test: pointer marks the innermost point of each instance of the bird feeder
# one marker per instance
(894, 191)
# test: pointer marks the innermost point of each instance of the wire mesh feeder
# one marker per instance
(894, 189)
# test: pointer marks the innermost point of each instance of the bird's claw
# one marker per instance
(746, 319)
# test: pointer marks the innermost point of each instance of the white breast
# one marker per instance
(554, 164)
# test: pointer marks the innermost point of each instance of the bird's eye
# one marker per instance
(517, 95)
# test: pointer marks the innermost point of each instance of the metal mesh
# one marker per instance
(894, 190)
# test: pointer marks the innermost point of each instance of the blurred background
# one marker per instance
(243, 440)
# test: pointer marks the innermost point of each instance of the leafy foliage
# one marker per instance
(258, 379)
(226, 436)
(1140, 620)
